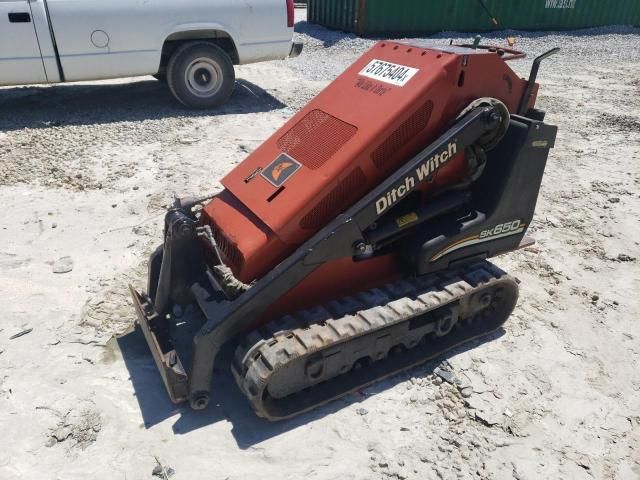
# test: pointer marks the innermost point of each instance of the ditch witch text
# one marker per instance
(421, 173)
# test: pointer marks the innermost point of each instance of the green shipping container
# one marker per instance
(420, 17)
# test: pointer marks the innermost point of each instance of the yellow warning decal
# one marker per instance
(405, 220)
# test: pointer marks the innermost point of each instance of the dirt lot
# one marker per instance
(84, 173)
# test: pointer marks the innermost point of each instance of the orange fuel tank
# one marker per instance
(387, 106)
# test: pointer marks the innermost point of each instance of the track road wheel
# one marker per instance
(200, 75)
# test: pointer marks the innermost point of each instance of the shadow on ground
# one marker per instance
(227, 402)
(82, 104)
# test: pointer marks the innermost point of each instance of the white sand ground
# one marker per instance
(84, 173)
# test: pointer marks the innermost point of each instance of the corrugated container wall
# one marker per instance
(419, 17)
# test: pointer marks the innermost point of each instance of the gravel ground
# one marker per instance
(85, 171)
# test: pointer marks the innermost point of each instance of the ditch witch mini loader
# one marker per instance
(352, 244)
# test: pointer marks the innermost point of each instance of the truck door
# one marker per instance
(110, 38)
(20, 58)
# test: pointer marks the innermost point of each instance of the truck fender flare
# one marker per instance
(186, 28)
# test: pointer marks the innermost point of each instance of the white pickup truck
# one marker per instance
(192, 44)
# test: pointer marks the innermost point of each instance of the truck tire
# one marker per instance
(201, 75)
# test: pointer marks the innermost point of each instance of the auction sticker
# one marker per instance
(387, 72)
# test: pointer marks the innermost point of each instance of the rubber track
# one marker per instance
(282, 350)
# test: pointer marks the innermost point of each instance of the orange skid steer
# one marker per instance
(353, 243)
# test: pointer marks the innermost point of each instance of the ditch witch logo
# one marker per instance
(422, 172)
(280, 170)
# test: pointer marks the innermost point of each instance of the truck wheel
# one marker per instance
(201, 75)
